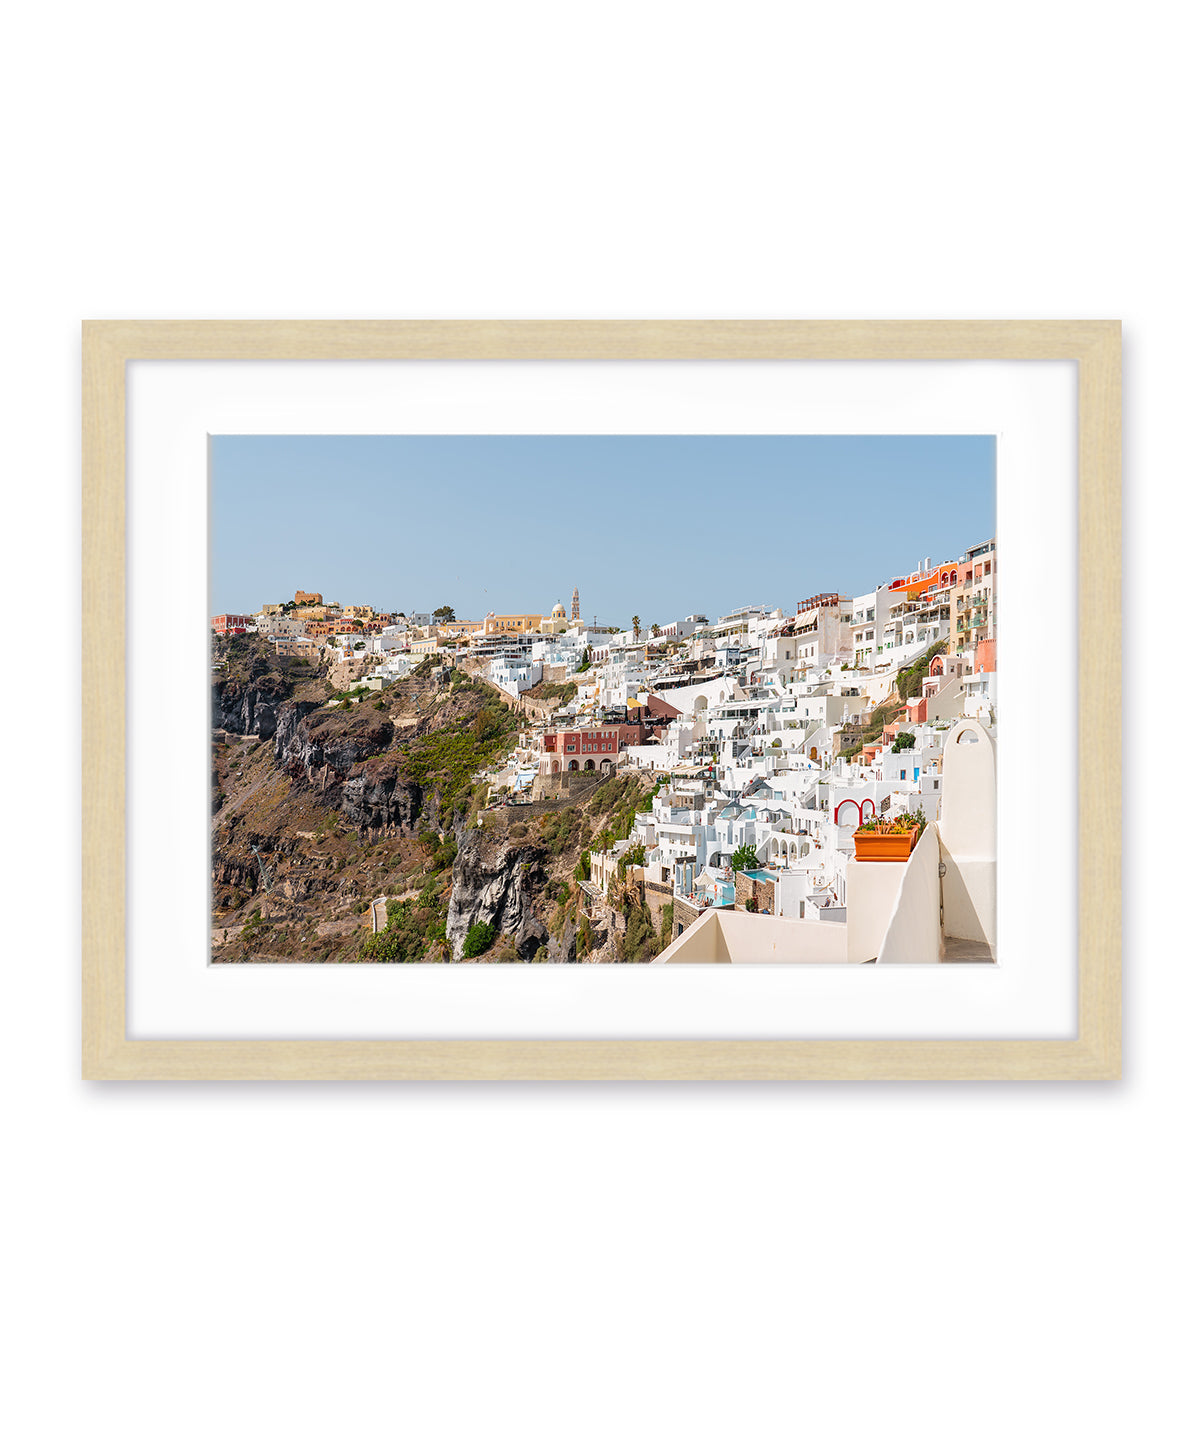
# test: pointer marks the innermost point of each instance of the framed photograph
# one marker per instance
(601, 700)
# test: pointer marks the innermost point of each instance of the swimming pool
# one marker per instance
(759, 874)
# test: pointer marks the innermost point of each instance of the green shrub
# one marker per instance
(411, 928)
(904, 740)
(479, 940)
(744, 858)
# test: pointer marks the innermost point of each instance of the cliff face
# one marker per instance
(381, 801)
(251, 708)
(328, 747)
(494, 885)
(306, 741)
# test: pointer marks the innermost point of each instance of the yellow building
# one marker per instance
(512, 624)
(556, 622)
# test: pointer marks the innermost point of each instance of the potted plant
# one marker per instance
(892, 840)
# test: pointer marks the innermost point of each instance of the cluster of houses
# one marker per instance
(755, 725)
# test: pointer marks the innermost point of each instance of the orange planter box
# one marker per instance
(871, 845)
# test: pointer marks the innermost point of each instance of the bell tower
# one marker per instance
(575, 606)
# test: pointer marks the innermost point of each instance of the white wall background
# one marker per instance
(591, 1261)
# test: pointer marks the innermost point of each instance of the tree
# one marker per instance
(637, 626)
(635, 855)
(584, 940)
(655, 631)
(743, 857)
(903, 741)
(444, 614)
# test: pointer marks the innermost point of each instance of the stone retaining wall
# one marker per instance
(762, 891)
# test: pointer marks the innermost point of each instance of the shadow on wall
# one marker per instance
(967, 832)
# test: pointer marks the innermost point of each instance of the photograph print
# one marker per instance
(603, 699)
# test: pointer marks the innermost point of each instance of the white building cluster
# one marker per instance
(766, 757)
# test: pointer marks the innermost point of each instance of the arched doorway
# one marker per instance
(812, 752)
(574, 765)
(589, 765)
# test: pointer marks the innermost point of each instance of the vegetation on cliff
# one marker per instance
(416, 931)
(447, 759)
(341, 806)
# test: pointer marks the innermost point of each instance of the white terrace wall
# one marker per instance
(968, 833)
(732, 936)
(914, 933)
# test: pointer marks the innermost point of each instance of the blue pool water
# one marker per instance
(759, 874)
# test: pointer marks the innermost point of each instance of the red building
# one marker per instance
(591, 747)
(231, 624)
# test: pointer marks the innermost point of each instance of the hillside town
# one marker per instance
(784, 747)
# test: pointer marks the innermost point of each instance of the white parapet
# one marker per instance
(732, 937)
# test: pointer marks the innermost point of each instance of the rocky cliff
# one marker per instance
(380, 801)
(309, 737)
(250, 708)
(494, 884)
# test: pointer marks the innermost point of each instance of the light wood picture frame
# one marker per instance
(110, 1054)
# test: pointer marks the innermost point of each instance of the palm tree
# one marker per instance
(637, 626)
(654, 630)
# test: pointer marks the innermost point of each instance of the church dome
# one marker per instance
(559, 612)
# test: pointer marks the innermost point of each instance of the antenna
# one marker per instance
(268, 876)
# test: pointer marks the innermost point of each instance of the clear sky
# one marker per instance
(658, 526)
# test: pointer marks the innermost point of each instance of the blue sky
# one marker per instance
(658, 526)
